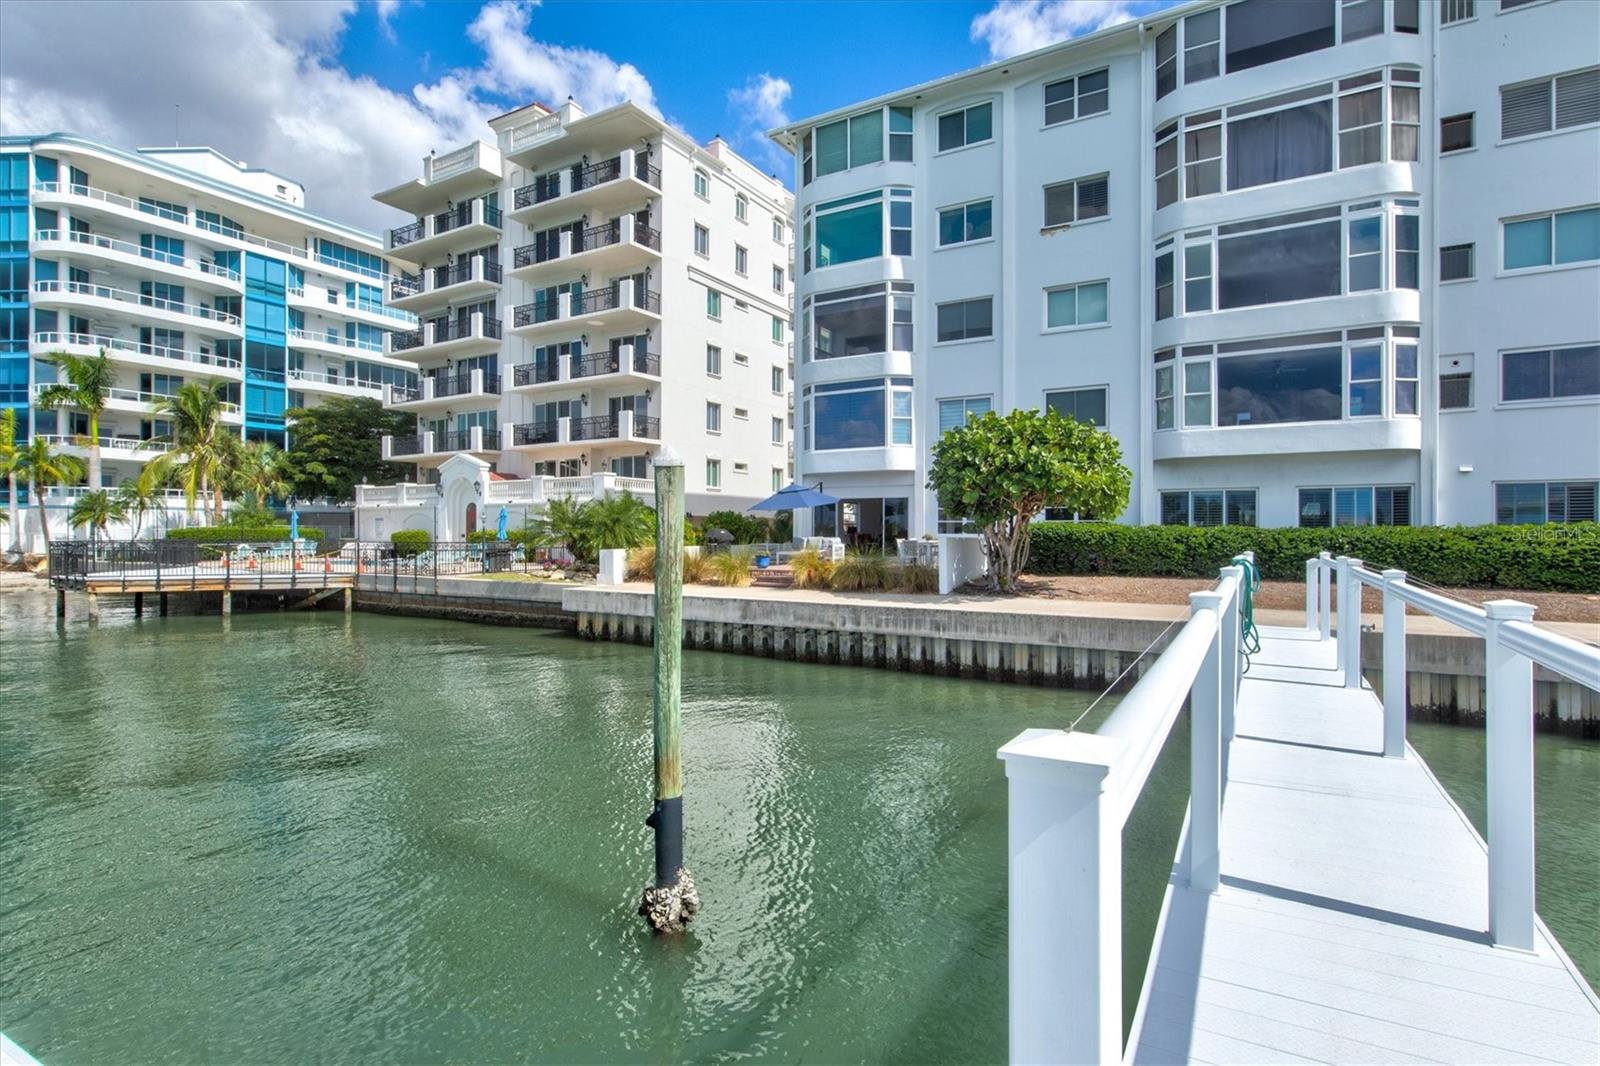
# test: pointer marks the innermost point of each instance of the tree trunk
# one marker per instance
(94, 452)
(216, 503)
(44, 520)
(11, 509)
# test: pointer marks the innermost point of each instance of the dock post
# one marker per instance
(227, 603)
(162, 604)
(349, 600)
(1207, 746)
(61, 603)
(1508, 725)
(138, 605)
(94, 607)
(1394, 666)
(1350, 620)
(1325, 595)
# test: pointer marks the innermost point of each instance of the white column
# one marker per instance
(1311, 594)
(1206, 701)
(1508, 723)
(1325, 595)
(475, 376)
(1394, 666)
(1064, 898)
(1350, 621)
(1232, 645)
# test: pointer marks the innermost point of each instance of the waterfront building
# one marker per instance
(1313, 262)
(182, 265)
(591, 288)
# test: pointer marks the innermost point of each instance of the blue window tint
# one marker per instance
(1527, 244)
(849, 235)
(14, 174)
(850, 419)
(1578, 236)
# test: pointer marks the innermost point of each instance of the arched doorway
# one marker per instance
(472, 521)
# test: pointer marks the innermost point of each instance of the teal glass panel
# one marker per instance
(846, 236)
(1527, 244)
(1578, 236)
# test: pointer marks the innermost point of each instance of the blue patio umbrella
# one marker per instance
(294, 525)
(500, 527)
(792, 496)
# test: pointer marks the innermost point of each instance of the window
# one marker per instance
(777, 230)
(1164, 401)
(1070, 98)
(1166, 60)
(777, 279)
(1167, 165)
(1557, 103)
(1360, 18)
(953, 413)
(857, 321)
(1202, 46)
(1455, 262)
(1553, 239)
(777, 381)
(702, 240)
(777, 330)
(859, 414)
(1280, 145)
(1202, 154)
(777, 431)
(1453, 11)
(971, 125)
(741, 261)
(1075, 305)
(1297, 262)
(1550, 374)
(966, 222)
(742, 413)
(1197, 278)
(713, 417)
(854, 228)
(1455, 391)
(965, 319)
(1406, 390)
(1302, 386)
(1366, 380)
(1361, 119)
(702, 184)
(1384, 505)
(1196, 394)
(1455, 133)
(900, 134)
(1076, 201)
(856, 141)
(1407, 252)
(1164, 285)
(1209, 507)
(1531, 503)
(1405, 123)
(1265, 31)
(1081, 405)
(713, 303)
(713, 473)
(900, 222)
(1407, 16)
(777, 478)
(741, 207)
(713, 360)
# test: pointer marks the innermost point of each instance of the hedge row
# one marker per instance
(243, 534)
(409, 542)
(1559, 558)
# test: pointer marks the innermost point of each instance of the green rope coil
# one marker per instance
(1249, 635)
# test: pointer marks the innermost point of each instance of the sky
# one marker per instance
(348, 96)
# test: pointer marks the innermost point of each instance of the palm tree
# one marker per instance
(141, 495)
(97, 510)
(88, 386)
(562, 525)
(618, 522)
(258, 472)
(43, 467)
(203, 449)
(10, 467)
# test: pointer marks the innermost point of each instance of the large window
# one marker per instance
(856, 141)
(1537, 502)
(1077, 201)
(1265, 31)
(1081, 405)
(953, 413)
(970, 125)
(858, 227)
(1070, 98)
(1209, 507)
(1273, 387)
(1280, 145)
(858, 414)
(1552, 239)
(860, 321)
(1298, 262)
(1363, 505)
(1557, 103)
(1075, 305)
(966, 222)
(1550, 373)
(966, 319)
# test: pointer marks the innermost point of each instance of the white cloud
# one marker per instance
(262, 84)
(1012, 27)
(386, 10)
(759, 106)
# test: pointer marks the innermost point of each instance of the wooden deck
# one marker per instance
(1351, 922)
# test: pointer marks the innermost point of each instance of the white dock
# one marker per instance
(1351, 920)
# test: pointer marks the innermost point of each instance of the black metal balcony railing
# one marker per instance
(535, 433)
(411, 445)
(455, 218)
(405, 393)
(594, 427)
(548, 186)
(544, 187)
(400, 342)
(649, 238)
(460, 383)
(540, 310)
(491, 215)
(537, 372)
(405, 285)
(461, 273)
(648, 426)
(457, 329)
(611, 363)
(407, 234)
(456, 440)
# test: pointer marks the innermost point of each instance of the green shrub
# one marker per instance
(916, 577)
(696, 568)
(727, 568)
(1560, 558)
(410, 542)
(486, 536)
(861, 572)
(244, 534)
(809, 570)
(745, 529)
(641, 564)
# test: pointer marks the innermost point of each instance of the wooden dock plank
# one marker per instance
(1351, 922)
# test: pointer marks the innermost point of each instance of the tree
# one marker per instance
(617, 522)
(203, 448)
(1000, 472)
(339, 444)
(141, 495)
(44, 466)
(561, 525)
(96, 509)
(10, 468)
(90, 379)
(258, 473)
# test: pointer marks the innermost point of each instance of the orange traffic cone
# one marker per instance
(250, 563)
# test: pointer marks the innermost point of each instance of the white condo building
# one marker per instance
(182, 265)
(1312, 262)
(590, 289)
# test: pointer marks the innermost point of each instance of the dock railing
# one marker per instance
(1512, 646)
(1069, 796)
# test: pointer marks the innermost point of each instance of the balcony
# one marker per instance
(607, 187)
(151, 309)
(623, 366)
(446, 337)
(610, 248)
(473, 222)
(1389, 434)
(331, 343)
(464, 282)
(113, 447)
(145, 404)
(616, 308)
(572, 435)
(331, 384)
(372, 312)
(430, 444)
(145, 356)
(187, 270)
(469, 389)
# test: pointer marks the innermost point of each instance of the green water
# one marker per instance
(292, 837)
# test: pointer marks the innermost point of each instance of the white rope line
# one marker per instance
(1124, 674)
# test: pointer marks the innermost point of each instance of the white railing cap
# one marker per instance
(1054, 756)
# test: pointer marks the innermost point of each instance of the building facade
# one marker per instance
(1312, 262)
(181, 265)
(590, 289)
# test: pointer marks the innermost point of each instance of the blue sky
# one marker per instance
(348, 96)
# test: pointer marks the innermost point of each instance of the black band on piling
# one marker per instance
(667, 820)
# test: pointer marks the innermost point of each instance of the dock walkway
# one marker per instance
(1350, 924)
